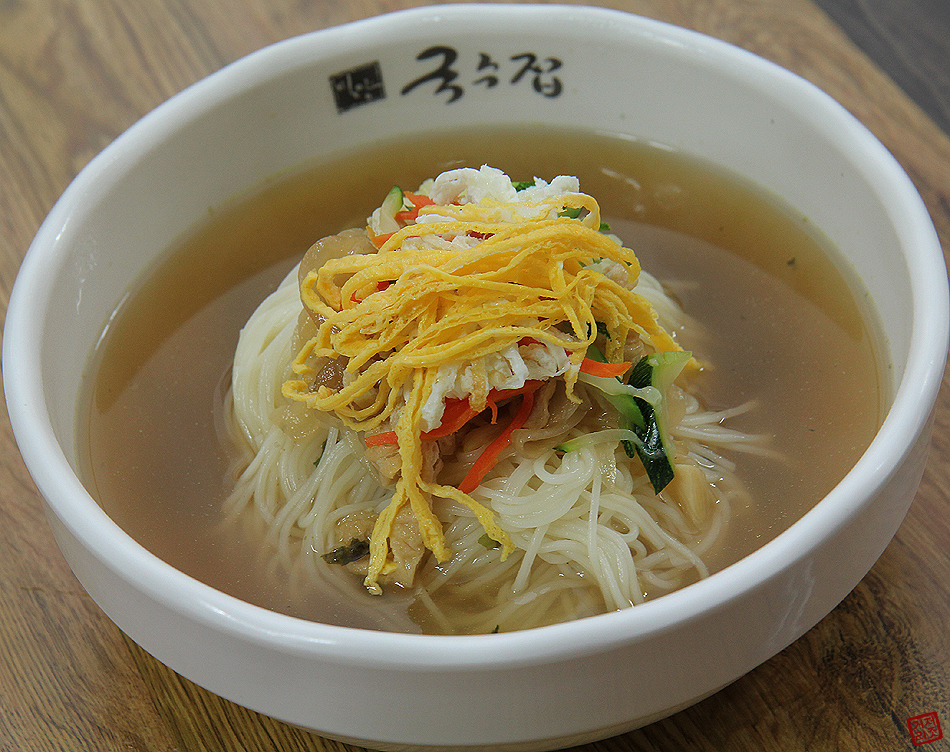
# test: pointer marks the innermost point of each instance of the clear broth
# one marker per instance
(786, 326)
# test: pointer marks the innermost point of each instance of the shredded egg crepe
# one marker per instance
(480, 287)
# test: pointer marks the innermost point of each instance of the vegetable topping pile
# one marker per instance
(481, 290)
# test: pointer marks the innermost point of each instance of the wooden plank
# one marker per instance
(909, 40)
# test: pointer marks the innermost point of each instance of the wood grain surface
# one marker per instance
(75, 73)
(909, 40)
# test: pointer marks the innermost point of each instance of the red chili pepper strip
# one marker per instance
(604, 370)
(380, 286)
(489, 457)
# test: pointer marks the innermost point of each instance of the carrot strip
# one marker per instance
(381, 439)
(418, 200)
(489, 457)
(457, 413)
(497, 396)
(604, 370)
(379, 240)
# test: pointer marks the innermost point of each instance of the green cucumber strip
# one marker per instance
(641, 405)
(607, 436)
(593, 352)
(616, 393)
(393, 203)
(655, 451)
(614, 388)
(652, 449)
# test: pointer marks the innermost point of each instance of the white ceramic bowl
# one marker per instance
(536, 689)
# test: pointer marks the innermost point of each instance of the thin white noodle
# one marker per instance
(591, 534)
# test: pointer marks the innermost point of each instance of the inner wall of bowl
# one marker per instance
(328, 93)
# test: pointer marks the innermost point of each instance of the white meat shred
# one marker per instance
(506, 369)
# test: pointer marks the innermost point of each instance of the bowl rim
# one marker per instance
(906, 418)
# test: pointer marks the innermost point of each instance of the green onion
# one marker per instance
(355, 550)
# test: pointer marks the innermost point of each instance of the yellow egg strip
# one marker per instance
(398, 315)
(494, 211)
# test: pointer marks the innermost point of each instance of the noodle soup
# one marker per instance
(779, 326)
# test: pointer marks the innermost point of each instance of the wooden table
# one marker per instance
(75, 73)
